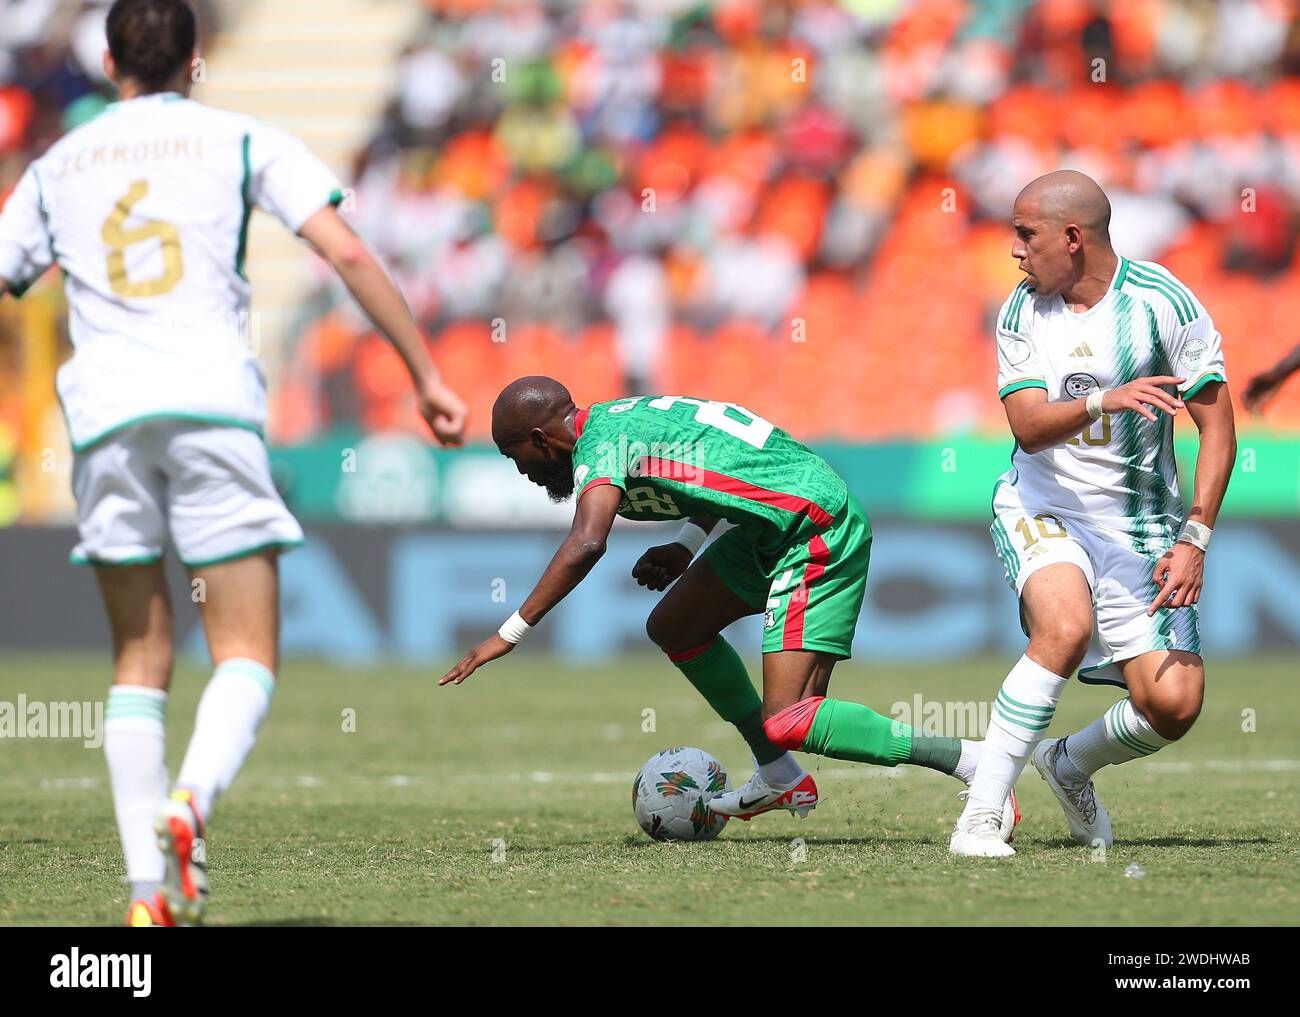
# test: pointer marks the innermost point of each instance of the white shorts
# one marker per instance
(1120, 578)
(207, 487)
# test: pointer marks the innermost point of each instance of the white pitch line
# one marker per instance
(543, 777)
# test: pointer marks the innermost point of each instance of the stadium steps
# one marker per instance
(322, 70)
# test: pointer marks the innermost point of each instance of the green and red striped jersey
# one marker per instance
(677, 456)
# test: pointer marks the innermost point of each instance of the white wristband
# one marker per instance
(691, 537)
(514, 629)
(1196, 534)
(1093, 402)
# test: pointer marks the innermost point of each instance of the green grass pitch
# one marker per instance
(507, 801)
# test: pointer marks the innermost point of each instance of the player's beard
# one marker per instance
(556, 476)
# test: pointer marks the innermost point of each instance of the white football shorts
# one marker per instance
(207, 487)
(1121, 580)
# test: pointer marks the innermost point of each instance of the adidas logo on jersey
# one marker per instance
(1083, 350)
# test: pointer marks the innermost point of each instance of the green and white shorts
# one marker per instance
(207, 489)
(811, 594)
(1121, 580)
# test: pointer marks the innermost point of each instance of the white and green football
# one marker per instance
(670, 795)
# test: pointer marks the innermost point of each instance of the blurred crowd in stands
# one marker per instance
(800, 205)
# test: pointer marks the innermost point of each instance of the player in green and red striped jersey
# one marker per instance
(797, 553)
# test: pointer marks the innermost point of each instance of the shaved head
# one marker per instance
(1068, 196)
(526, 403)
(532, 424)
(1062, 224)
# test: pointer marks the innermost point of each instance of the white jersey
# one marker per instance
(146, 208)
(1119, 473)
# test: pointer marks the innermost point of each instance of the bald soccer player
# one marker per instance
(797, 554)
(1096, 356)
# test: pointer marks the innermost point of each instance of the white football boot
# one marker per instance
(1010, 814)
(1089, 821)
(758, 796)
(980, 835)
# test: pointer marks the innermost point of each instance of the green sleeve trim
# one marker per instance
(281, 545)
(193, 418)
(1016, 386)
(246, 192)
(1200, 384)
(336, 198)
(45, 221)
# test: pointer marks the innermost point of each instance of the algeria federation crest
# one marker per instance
(1079, 385)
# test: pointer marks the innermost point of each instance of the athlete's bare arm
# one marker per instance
(1179, 571)
(664, 564)
(375, 292)
(576, 556)
(1263, 387)
(1039, 424)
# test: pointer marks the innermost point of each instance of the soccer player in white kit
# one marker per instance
(1096, 356)
(146, 210)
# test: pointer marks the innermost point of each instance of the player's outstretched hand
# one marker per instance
(490, 649)
(444, 412)
(1179, 576)
(661, 566)
(1260, 389)
(1141, 393)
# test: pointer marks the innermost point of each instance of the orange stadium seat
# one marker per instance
(1155, 113)
(1281, 104)
(1026, 111)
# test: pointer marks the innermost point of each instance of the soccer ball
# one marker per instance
(670, 795)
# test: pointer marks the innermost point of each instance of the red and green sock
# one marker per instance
(844, 730)
(719, 675)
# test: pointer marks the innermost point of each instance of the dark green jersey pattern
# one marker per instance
(677, 456)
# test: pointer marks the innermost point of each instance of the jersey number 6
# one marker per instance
(118, 238)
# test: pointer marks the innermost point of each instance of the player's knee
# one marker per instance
(1172, 715)
(1066, 637)
(660, 631)
(672, 636)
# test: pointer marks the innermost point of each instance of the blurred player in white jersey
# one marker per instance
(146, 210)
(1096, 356)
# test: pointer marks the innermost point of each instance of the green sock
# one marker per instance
(940, 754)
(844, 730)
(719, 675)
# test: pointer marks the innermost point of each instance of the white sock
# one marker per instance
(1118, 735)
(225, 728)
(1021, 715)
(782, 770)
(969, 761)
(135, 748)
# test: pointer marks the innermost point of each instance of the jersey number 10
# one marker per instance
(1086, 437)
